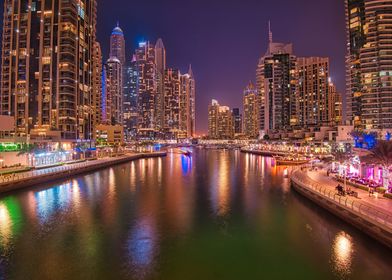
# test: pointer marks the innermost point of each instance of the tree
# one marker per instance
(381, 154)
(29, 149)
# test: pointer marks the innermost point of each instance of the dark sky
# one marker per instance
(223, 39)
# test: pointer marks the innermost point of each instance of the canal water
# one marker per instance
(217, 215)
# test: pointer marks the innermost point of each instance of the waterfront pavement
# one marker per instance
(18, 180)
(375, 201)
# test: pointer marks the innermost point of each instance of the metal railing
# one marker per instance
(372, 213)
(29, 175)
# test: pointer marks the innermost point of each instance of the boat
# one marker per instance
(291, 161)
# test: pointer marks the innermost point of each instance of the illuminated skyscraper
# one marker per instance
(114, 99)
(313, 92)
(130, 100)
(237, 121)
(171, 100)
(369, 63)
(160, 62)
(187, 104)
(117, 44)
(46, 77)
(276, 83)
(96, 104)
(251, 112)
(147, 90)
(220, 122)
(336, 105)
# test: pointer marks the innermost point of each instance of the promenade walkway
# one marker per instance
(373, 209)
(376, 200)
(23, 179)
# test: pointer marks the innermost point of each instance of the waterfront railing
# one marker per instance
(374, 214)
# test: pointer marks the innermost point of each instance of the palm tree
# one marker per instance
(381, 154)
(28, 149)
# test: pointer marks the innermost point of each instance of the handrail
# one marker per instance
(366, 210)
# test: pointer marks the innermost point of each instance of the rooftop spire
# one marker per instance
(269, 31)
(190, 71)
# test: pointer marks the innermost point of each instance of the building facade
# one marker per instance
(314, 108)
(237, 121)
(251, 110)
(130, 101)
(46, 77)
(147, 90)
(276, 83)
(187, 105)
(220, 122)
(114, 91)
(369, 64)
(96, 106)
(117, 45)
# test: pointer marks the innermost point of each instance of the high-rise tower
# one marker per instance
(369, 63)
(251, 111)
(314, 109)
(114, 107)
(147, 89)
(276, 83)
(117, 44)
(46, 77)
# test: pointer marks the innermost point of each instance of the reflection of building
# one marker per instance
(46, 79)
(114, 91)
(220, 122)
(313, 92)
(369, 74)
(251, 112)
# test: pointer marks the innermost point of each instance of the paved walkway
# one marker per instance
(17, 177)
(363, 196)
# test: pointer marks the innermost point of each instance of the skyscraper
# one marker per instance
(160, 62)
(251, 111)
(313, 92)
(117, 45)
(336, 105)
(276, 82)
(369, 64)
(96, 104)
(187, 104)
(171, 100)
(220, 122)
(46, 77)
(130, 100)
(114, 99)
(237, 121)
(147, 89)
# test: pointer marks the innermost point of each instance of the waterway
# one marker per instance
(216, 215)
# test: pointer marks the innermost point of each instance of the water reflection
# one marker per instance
(142, 247)
(220, 188)
(342, 253)
(186, 164)
(49, 200)
(164, 219)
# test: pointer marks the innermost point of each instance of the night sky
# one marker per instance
(223, 39)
